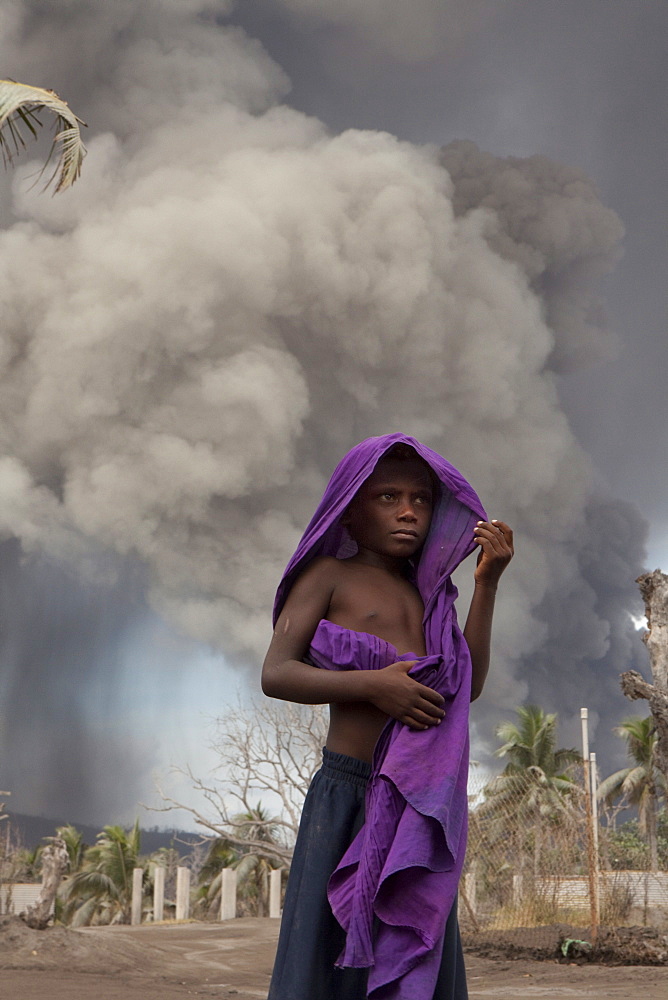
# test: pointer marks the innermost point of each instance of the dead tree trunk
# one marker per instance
(55, 861)
(654, 590)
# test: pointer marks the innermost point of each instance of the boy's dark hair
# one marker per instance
(406, 453)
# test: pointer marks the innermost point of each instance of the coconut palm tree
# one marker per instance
(536, 791)
(101, 891)
(21, 107)
(641, 784)
(254, 865)
(221, 854)
(75, 846)
(28, 862)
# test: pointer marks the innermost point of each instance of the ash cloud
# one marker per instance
(231, 297)
(409, 32)
(65, 749)
(547, 217)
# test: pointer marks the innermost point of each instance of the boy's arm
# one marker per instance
(286, 676)
(495, 539)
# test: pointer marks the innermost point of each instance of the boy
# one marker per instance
(364, 620)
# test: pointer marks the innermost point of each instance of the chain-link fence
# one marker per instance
(535, 861)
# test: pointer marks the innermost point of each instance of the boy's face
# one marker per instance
(392, 510)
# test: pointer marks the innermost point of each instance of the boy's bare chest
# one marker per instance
(381, 605)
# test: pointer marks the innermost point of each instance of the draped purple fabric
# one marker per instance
(403, 867)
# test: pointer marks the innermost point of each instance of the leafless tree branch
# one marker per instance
(270, 748)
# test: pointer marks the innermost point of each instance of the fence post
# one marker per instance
(182, 893)
(135, 912)
(517, 890)
(158, 893)
(470, 890)
(228, 894)
(275, 893)
(594, 820)
(591, 833)
(469, 880)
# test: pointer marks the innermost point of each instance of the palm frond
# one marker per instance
(20, 109)
(221, 855)
(567, 757)
(82, 916)
(640, 737)
(93, 883)
(74, 844)
(611, 787)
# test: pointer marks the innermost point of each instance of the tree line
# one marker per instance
(528, 812)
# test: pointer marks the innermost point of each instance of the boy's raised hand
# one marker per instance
(405, 699)
(495, 539)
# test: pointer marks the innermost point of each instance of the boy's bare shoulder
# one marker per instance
(315, 584)
(322, 569)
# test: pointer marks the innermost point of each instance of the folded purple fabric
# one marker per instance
(403, 867)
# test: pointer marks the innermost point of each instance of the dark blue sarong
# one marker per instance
(311, 939)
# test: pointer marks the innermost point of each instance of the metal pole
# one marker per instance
(594, 799)
(584, 722)
(594, 822)
(591, 855)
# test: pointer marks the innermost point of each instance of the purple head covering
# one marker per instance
(450, 536)
(394, 888)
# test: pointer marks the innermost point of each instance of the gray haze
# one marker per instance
(237, 291)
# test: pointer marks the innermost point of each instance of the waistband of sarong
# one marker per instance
(345, 768)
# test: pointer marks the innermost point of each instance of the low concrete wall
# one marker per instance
(15, 897)
(645, 888)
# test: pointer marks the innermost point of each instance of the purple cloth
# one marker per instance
(404, 865)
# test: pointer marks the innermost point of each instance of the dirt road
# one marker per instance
(233, 960)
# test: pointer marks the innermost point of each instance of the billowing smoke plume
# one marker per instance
(414, 31)
(548, 219)
(231, 297)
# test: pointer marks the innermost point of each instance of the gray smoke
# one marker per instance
(231, 297)
(549, 220)
(409, 32)
(65, 745)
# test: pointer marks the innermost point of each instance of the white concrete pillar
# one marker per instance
(135, 912)
(517, 890)
(275, 893)
(158, 893)
(228, 894)
(182, 893)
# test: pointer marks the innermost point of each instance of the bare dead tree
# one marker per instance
(55, 861)
(654, 591)
(267, 750)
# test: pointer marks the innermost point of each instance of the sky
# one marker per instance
(299, 223)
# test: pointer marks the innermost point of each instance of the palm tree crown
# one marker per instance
(641, 784)
(101, 891)
(536, 792)
(20, 109)
(530, 743)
